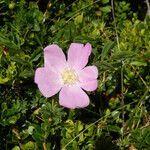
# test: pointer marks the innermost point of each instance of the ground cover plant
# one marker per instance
(118, 114)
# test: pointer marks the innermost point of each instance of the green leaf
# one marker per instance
(123, 55)
(138, 63)
(13, 119)
(106, 9)
(3, 80)
(26, 73)
(105, 1)
(6, 42)
(16, 148)
(106, 49)
(30, 130)
(79, 126)
(113, 128)
(78, 19)
(29, 146)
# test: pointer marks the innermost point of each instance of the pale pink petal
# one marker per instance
(78, 55)
(89, 85)
(47, 81)
(73, 97)
(88, 78)
(54, 57)
(88, 73)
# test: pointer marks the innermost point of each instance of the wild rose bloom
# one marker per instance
(70, 76)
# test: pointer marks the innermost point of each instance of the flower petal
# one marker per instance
(78, 55)
(90, 85)
(88, 78)
(73, 97)
(54, 57)
(88, 73)
(47, 81)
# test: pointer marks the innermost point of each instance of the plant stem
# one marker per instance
(113, 14)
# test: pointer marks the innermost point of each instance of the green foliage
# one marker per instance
(118, 116)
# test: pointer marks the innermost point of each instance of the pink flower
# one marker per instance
(70, 77)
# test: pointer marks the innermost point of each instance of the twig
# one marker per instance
(113, 14)
(148, 10)
(117, 38)
(148, 7)
(122, 95)
(44, 146)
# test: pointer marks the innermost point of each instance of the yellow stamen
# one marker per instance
(69, 76)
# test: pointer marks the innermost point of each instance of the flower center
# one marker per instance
(69, 76)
